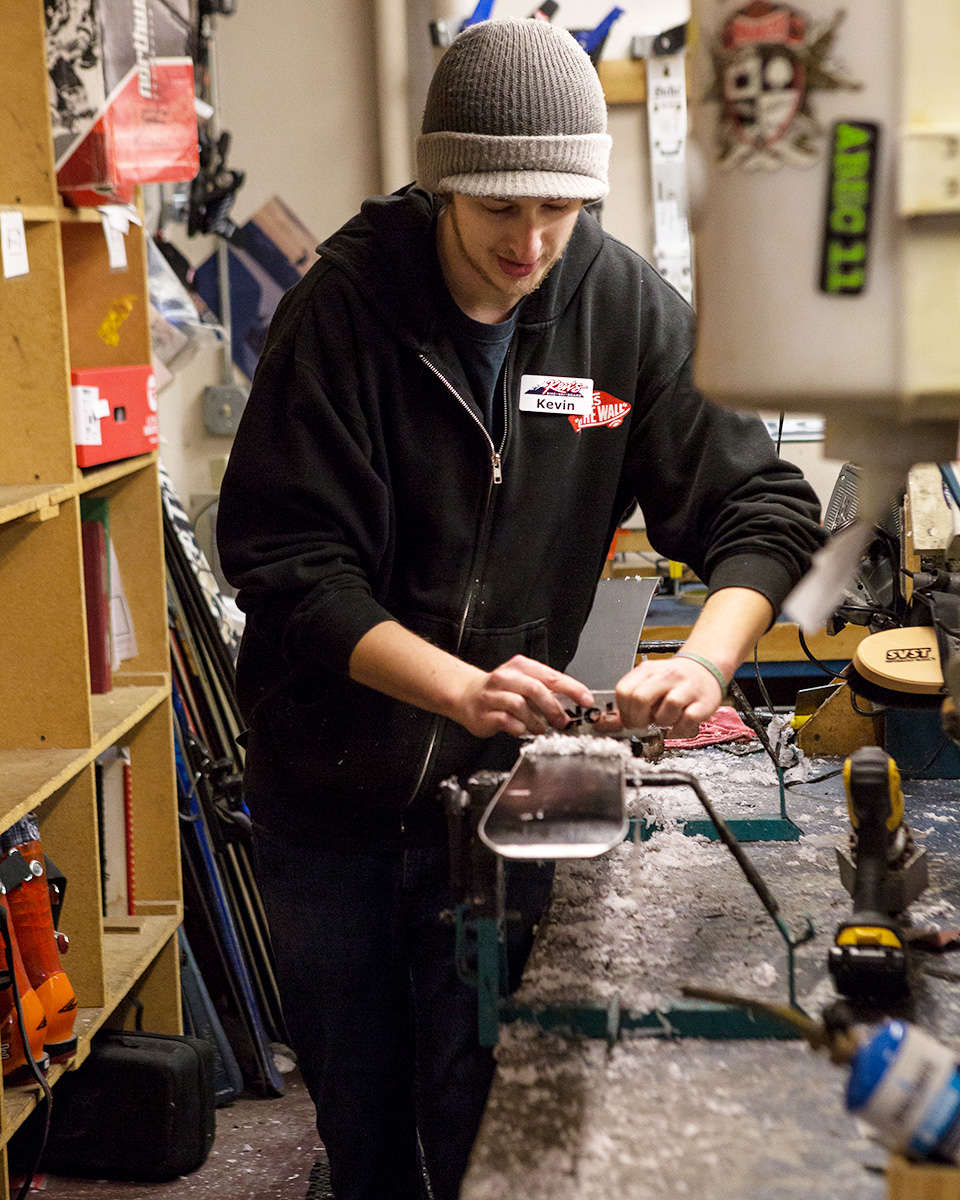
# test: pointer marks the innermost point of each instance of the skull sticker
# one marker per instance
(767, 60)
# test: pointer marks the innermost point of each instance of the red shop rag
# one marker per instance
(724, 726)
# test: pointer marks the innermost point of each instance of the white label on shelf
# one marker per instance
(13, 245)
(117, 215)
(88, 408)
(116, 246)
(121, 215)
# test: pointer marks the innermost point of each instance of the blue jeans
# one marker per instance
(384, 1029)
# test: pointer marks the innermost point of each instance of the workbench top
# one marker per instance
(570, 1118)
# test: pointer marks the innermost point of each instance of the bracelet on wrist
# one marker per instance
(711, 667)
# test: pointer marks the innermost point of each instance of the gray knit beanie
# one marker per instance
(515, 108)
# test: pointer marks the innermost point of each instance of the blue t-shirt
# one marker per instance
(482, 350)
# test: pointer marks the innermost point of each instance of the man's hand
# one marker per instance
(518, 697)
(678, 693)
(675, 693)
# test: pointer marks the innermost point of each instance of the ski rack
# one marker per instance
(762, 827)
(477, 875)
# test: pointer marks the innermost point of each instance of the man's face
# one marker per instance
(495, 252)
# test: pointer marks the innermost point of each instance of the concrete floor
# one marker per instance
(264, 1150)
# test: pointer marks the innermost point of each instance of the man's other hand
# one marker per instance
(675, 693)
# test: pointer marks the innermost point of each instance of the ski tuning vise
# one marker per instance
(567, 800)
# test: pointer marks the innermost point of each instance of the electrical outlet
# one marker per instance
(223, 404)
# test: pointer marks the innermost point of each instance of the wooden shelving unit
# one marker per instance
(52, 728)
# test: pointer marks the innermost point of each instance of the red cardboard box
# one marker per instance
(122, 94)
(114, 413)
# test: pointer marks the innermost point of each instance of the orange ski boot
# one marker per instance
(16, 1068)
(32, 915)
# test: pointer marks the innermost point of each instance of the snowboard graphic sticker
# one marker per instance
(768, 60)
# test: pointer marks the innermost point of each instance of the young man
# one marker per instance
(454, 410)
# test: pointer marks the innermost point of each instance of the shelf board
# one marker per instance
(94, 477)
(73, 216)
(28, 777)
(32, 212)
(779, 644)
(19, 500)
(127, 956)
(117, 711)
(19, 1102)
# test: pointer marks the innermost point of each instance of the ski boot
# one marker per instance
(16, 1068)
(39, 942)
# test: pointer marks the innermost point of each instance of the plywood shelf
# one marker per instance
(32, 212)
(19, 1102)
(22, 500)
(780, 644)
(96, 477)
(28, 777)
(87, 216)
(55, 318)
(117, 711)
(127, 956)
(27, 499)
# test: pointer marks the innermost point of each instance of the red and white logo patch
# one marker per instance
(607, 410)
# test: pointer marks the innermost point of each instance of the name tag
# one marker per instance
(556, 394)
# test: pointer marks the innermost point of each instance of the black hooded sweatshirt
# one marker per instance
(363, 486)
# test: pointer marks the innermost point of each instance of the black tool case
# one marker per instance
(141, 1107)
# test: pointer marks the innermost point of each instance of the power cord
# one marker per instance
(816, 778)
(863, 712)
(760, 683)
(813, 658)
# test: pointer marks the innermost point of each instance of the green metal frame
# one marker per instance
(684, 1018)
(692, 1018)
(761, 827)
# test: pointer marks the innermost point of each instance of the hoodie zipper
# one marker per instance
(496, 478)
(494, 453)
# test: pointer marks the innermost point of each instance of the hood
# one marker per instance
(401, 228)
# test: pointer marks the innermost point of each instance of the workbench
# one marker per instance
(575, 1118)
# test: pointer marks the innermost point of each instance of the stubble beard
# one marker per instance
(512, 291)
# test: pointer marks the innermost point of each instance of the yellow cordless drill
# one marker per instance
(883, 873)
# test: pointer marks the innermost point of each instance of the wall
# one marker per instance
(297, 84)
(298, 91)
(302, 87)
